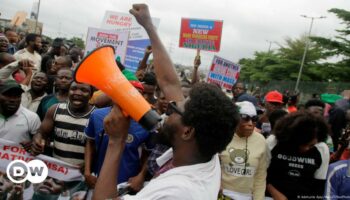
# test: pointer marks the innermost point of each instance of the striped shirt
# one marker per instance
(69, 137)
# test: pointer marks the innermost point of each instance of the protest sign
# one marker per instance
(99, 37)
(138, 38)
(64, 181)
(223, 72)
(201, 34)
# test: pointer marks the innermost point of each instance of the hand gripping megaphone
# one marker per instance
(100, 70)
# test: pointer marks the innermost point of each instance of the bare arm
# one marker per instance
(197, 63)
(46, 128)
(89, 159)
(163, 66)
(136, 183)
(8, 70)
(143, 63)
(276, 195)
(29, 73)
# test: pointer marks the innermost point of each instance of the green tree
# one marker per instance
(78, 42)
(337, 47)
(284, 63)
(255, 69)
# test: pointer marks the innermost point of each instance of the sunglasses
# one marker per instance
(172, 107)
(247, 118)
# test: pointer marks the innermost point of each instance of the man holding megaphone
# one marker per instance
(197, 127)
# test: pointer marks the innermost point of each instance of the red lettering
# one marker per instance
(128, 19)
(5, 156)
(13, 157)
(61, 169)
(54, 167)
(6, 147)
(22, 151)
(113, 17)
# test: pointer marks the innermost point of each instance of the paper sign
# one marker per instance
(200, 34)
(223, 72)
(138, 38)
(99, 37)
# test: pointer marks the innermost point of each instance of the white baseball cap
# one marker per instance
(246, 108)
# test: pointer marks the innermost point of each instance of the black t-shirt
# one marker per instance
(293, 173)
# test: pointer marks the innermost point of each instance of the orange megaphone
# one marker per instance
(100, 70)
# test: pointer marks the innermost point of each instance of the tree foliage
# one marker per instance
(284, 63)
(78, 42)
(338, 48)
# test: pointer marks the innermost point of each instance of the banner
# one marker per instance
(138, 38)
(64, 181)
(201, 34)
(223, 72)
(99, 37)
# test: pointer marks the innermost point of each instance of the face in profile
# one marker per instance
(173, 122)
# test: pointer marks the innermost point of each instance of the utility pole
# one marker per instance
(307, 43)
(37, 17)
(270, 43)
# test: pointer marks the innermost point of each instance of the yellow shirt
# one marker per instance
(244, 165)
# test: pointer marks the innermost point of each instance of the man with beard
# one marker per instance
(239, 92)
(62, 81)
(67, 121)
(198, 128)
(32, 96)
(58, 63)
(17, 123)
(33, 42)
(54, 52)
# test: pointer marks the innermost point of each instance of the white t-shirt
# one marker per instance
(35, 57)
(192, 182)
(18, 127)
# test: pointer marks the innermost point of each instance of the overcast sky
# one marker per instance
(248, 24)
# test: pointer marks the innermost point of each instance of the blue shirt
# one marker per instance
(130, 164)
(338, 180)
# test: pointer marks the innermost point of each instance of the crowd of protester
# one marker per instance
(207, 146)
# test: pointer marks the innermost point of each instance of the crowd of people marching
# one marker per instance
(207, 146)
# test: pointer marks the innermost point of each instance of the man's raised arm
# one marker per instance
(163, 66)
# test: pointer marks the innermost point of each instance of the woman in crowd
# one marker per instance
(299, 157)
(244, 163)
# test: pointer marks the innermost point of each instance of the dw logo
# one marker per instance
(34, 171)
